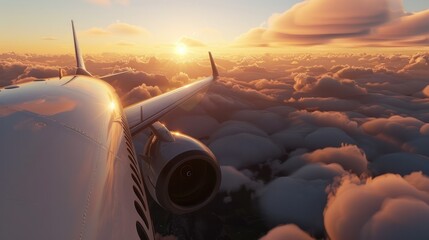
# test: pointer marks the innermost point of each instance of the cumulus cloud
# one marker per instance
(418, 65)
(351, 72)
(260, 119)
(349, 157)
(400, 163)
(10, 71)
(243, 93)
(233, 180)
(324, 119)
(252, 150)
(180, 79)
(124, 83)
(199, 126)
(319, 171)
(229, 128)
(327, 137)
(324, 104)
(290, 200)
(395, 130)
(390, 207)
(328, 86)
(140, 93)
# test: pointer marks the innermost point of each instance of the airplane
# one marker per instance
(69, 169)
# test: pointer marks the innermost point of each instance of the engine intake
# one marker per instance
(181, 175)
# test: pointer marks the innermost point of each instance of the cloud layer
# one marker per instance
(302, 139)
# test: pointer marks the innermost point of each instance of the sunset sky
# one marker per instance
(141, 26)
(319, 119)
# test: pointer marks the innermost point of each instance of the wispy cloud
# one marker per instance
(118, 28)
(97, 31)
(190, 42)
(126, 29)
(49, 38)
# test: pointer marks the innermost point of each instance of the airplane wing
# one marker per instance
(145, 113)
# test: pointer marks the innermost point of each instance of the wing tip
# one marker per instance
(215, 72)
(80, 64)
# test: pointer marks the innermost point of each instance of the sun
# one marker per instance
(181, 49)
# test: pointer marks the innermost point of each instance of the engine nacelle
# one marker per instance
(182, 175)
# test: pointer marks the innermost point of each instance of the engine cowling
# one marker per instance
(182, 175)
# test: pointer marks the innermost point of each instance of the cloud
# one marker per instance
(124, 83)
(324, 119)
(289, 200)
(232, 127)
(348, 22)
(199, 126)
(354, 72)
(328, 86)
(400, 163)
(233, 180)
(290, 231)
(118, 28)
(418, 66)
(251, 150)
(126, 29)
(39, 72)
(317, 171)
(180, 79)
(390, 207)
(140, 93)
(242, 93)
(190, 42)
(324, 104)
(327, 137)
(277, 145)
(395, 130)
(10, 71)
(349, 157)
(260, 119)
(49, 38)
(253, 38)
(290, 139)
(97, 31)
(409, 30)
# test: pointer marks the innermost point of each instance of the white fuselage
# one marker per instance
(68, 169)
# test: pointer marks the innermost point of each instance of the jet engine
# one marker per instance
(181, 174)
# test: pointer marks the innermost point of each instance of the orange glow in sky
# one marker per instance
(142, 27)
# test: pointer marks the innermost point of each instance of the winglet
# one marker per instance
(81, 70)
(214, 68)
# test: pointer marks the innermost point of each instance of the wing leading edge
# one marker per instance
(143, 114)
